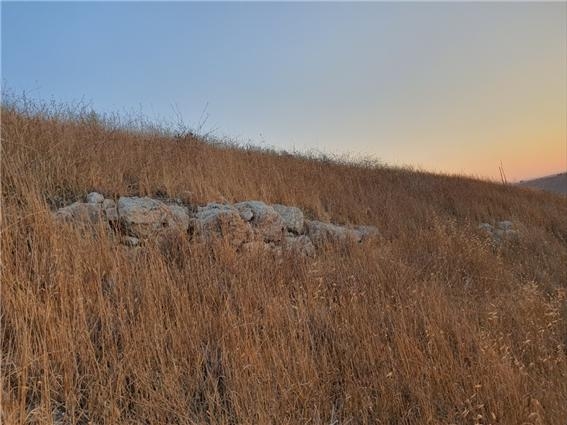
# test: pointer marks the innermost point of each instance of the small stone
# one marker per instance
(130, 241)
(367, 232)
(108, 203)
(111, 214)
(505, 225)
(94, 198)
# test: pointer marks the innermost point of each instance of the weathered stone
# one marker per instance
(110, 211)
(111, 214)
(80, 212)
(221, 221)
(179, 216)
(130, 241)
(292, 217)
(265, 221)
(250, 226)
(505, 225)
(300, 245)
(142, 217)
(108, 203)
(503, 231)
(320, 232)
(367, 232)
(95, 198)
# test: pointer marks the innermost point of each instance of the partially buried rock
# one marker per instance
(503, 231)
(80, 213)
(301, 245)
(367, 232)
(265, 221)
(95, 198)
(110, 210)
(221, 221)
(320, 232)
(292, 217)
(130, 241)
(142, 217)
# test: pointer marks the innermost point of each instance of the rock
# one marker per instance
(94, 198)
(108, 203)
(505, 225)
(110, 210)
(179, 216)
(80, 212)
(320, 232)
(367, 232)
(142, 217)
(292, 217)
(111, 214)
(130, 241)
(250, 226)
(503, 231)
(222, 221)
(264, 219)
(300, 245)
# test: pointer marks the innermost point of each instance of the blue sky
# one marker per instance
(446, 87)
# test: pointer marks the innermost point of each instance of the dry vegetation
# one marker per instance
(431, 324)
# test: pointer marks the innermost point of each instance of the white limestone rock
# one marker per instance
(292, 217)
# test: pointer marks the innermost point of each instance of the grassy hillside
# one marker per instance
(430, 324)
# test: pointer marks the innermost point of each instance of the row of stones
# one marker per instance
(248, 226)
(501, 231)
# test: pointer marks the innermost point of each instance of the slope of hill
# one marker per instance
(555, 183)
(431, 323)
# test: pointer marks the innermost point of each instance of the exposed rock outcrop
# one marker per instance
(502, 231)
(249, 226)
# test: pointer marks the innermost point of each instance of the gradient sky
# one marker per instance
(452, 87)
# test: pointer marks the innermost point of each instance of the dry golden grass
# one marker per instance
(429, 325)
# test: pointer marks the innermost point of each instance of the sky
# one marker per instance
(446, 87)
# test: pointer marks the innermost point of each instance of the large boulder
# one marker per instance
(221, 221)
(292, 217)
(143, 217)
(265, 221)
(80, 213)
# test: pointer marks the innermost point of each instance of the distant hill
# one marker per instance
(554, 183)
